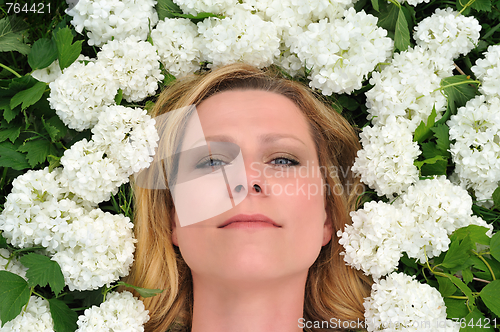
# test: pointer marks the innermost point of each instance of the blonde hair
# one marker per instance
(333, 290)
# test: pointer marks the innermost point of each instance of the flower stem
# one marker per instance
(10, 69)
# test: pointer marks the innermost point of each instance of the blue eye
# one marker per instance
(211, 162)
(284, 162)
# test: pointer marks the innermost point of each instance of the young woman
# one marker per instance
(268, 261)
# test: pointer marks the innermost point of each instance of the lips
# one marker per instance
(249, 218)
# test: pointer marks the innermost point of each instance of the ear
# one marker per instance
(327, 230)
(174, 227)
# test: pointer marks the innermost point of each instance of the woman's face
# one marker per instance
(280, 157)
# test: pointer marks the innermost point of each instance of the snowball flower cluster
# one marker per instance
(194, 7)
(113, 19)
(401, 303)
(134, 65)
(241, 37)
(475, 133)
(11, 265)
(487, 70)
(36, 318)
(418, 223)
(409, 88)
(386, 161)
(178, 44)
(120, 312)
(99, 248)
(447, 33)
(373, 242)
(92, 247)
(79, 94)
(123, 143)
(342, 52)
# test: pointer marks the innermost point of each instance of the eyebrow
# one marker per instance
(264, 139)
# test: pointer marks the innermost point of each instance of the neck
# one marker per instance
(248, 307)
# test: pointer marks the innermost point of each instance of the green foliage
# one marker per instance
(15, 293)
(67, 51)
(459, 89)
(44, 52)
(144, 292)
(64, 318)
(167, 9)
(11, 35)
(42, 271)
(29, 96)
(402, 32)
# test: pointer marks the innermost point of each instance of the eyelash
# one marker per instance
(203, 162)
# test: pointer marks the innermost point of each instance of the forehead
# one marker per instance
(248, 113)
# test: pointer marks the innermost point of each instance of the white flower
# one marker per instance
(36, 206)
(194, 7)
(475, 133)
(129, 135)
(401, 303)
(48, 74)
(409, 88)
(178, 44)
(134, 64)
(242, 37)
(121, 312)
(36, 318)
(447, 33)
(118, 19)
(342, 52)
(14, 265)
(374, 240)
(89, 174)
(386, 161)
(79, 94)
(98, 250)
(487, 70)
(414, 2)
(439, 208)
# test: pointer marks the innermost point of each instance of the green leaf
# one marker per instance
(482, 5)
(463, 287)
(15, 293)
(432, 160)
(37, 151)
(459, 88)
(476, 233)
(402, 33)
(455, 308)
(11, 157)
(423, 130)
(64, 318)
(55, 127)
(9, 114)
(200, 16)
(458, 253)
(388, 18)
(349, 103)
(467, 275)
(10, 133)
(441, 132)
(166, 8)
(42, 271)
(438, 168)
(67, 51)
(461, 4)
(3, 242)
(11, 35)
(144, 292)
(28, 97)
(474, 322)
(489, 295)
(496, 197)
(495, 246)
(430, 150)
(446, 287)
(119, 97)
(375, 5)
(43, 53)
